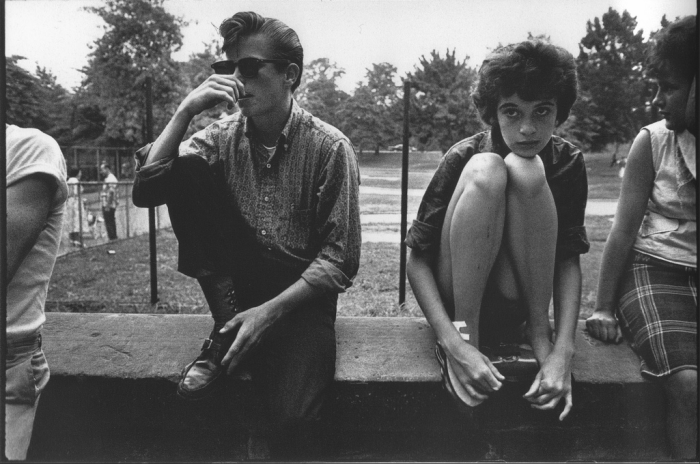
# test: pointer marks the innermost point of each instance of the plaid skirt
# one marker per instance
(658, 313)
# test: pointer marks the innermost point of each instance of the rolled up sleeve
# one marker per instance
(151, 179)
(337, 222)
(149, 182)
(570, 191)
(426, 229)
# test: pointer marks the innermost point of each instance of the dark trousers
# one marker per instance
(110, 222)
(295, 366)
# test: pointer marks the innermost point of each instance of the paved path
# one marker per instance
(594, 208)
(139, 224)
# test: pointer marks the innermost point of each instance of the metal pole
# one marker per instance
(97, 159)
(151, 210)
(126, 209)
(404, 193)
(80, 214)
(4, 276)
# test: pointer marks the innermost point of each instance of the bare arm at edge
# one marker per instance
(28, 206)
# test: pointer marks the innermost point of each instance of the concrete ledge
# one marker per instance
(112, 397)
(381, 349)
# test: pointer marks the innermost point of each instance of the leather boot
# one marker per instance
(201, 377)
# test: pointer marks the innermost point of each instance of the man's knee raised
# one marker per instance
(486, 172)
(525, 175)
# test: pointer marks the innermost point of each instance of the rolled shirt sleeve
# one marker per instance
(149, 181)
(425, 231)
(569, 186)
(337, 221)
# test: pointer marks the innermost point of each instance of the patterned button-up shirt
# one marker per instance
(566, 176)
(300, 204)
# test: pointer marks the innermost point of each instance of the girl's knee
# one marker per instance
(485, 172)
(526, 176)
(683, 386)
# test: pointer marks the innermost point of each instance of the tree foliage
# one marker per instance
(319, 92)
(37, 100)
(108, 108)
(615, 94)
(442, 110)
(372, 115)
(22, 95)
(137, 43)
(193, 72)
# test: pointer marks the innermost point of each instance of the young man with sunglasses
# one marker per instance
(264, 204)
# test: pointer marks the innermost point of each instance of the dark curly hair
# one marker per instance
(533, 70)
(676, 45)
(285, 42)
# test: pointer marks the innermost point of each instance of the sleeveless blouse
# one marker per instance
(668, 231)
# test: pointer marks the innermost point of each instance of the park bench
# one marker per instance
(112, 397)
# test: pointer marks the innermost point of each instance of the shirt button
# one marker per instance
(264, 232)
(268, 166)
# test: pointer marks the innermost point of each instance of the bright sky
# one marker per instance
(353, 33)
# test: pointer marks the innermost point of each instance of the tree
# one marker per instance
(442, 110)
(23, 94)
(319, 93)
(195, 71)
(138, 41)
(37, 100)
(372, 115)
(610, 67)
(57, 103)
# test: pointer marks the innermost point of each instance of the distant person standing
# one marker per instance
(36, 195)
(108, 198)
(73, 206)
(127, 171)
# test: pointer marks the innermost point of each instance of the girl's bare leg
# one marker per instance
(682, 413)
(471, 238)
(531, 235)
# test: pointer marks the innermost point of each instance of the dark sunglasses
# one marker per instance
(248, 67)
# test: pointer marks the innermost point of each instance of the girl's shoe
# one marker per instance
(516, 362)
(451, 384)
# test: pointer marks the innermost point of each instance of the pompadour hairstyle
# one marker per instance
(285, 42)
(676, 45)
(533, 70)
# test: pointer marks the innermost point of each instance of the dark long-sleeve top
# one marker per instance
(300, 205)
(566, 176)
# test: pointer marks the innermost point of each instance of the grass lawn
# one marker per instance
(94, 280)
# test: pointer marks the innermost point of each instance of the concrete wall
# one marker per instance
(112, 397)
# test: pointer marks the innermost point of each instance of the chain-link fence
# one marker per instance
(89, 159)
(90, 219)
(99, 209)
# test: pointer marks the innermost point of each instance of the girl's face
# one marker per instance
(671, 98)
(526, 126)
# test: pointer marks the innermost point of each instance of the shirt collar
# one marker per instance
(290, 128)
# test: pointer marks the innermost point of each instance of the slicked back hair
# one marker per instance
(284, 41)
(534, 70)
